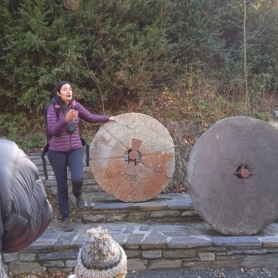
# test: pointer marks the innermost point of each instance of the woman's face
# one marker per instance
(65, 93)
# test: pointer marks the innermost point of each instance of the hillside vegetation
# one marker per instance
(199, 60)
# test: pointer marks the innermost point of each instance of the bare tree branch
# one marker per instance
(245, 54)
(96, 79)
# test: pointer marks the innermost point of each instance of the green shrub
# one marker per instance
(114, 51)
(18, 128)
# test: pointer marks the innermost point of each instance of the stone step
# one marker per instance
(100, 207)
(151, 246)
(170, 208)
(90, 184)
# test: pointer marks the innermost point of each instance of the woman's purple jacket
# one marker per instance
(61, 140)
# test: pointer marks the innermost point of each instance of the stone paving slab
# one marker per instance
(156, 234)
(160, 202)
(166, 207)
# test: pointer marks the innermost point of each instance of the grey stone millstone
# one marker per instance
(230, 204)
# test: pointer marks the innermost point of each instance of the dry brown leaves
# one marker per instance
(57, 274)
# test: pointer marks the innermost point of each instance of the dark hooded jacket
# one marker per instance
(25, 210)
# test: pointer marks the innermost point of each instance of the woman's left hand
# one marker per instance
(112, 119)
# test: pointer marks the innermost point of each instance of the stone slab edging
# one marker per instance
(164, 208)
(155, 246)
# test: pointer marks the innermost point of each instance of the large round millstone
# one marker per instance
(155, 159)
(233, 175)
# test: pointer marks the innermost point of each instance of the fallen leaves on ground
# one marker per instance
(57, 274)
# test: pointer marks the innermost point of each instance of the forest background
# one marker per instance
(194, 61)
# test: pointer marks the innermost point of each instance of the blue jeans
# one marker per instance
(59, 162)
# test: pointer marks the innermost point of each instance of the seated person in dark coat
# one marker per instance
(25, 212)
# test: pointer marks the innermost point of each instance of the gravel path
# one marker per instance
(215, 273)
(219, 273)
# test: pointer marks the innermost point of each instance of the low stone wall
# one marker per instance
(156, 253)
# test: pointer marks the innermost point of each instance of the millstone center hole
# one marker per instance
(243, 171)
(126, 157)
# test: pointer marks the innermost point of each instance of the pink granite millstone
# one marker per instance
(109, 151)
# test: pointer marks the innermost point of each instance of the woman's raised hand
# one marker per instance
(72, 113)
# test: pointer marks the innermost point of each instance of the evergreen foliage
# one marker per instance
(112, 49)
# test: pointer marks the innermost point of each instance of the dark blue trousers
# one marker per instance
(59, 162)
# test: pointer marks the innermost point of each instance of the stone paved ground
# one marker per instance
(214, 273)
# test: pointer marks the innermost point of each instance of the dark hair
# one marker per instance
(57, 89)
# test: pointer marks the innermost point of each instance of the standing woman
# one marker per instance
(65, 147)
